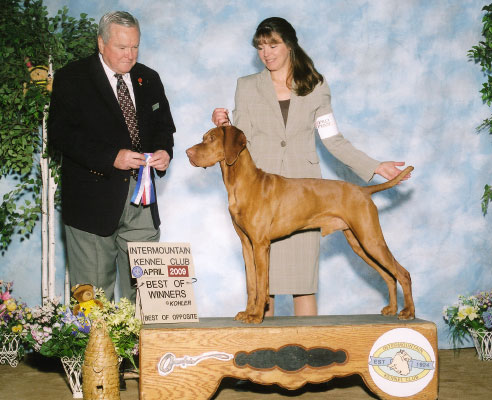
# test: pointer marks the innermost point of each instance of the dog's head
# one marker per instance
(218, 144)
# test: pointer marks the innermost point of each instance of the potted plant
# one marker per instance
(472, 315)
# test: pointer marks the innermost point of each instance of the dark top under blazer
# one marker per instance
(87, 126)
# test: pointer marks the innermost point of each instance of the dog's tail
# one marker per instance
(388, 184)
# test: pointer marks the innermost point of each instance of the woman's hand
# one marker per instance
(220, 117)
(389, 170)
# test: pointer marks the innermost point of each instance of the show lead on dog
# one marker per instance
(279, 109)
(106, 111)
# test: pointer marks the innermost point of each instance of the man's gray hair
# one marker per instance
(116, 17)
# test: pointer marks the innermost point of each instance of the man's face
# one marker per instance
(121, 50)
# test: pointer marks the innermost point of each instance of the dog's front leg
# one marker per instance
(261, 255)
(250, 274)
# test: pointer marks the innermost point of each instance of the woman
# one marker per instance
(278, 110)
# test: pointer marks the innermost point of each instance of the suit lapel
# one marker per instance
(267, 91)
(138, 93)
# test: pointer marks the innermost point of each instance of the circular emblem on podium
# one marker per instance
(402, 362)
(137, 271)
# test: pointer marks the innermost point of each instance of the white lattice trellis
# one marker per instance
(483, 343)
(73, 369)
(9, 353)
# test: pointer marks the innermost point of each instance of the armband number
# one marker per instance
(327, 126)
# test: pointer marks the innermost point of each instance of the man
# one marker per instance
(106, 111)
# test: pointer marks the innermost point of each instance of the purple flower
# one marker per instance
(487, 318)
(81, 322)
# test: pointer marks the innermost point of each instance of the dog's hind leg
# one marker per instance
(405, 280)
(383, 256)
(390, 280)
(379, 251)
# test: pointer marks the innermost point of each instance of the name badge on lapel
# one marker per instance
(155, 106)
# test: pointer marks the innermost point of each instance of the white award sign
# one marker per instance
(164, 273)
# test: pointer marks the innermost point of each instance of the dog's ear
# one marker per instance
(234, 143)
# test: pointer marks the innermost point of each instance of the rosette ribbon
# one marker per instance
(144, 191)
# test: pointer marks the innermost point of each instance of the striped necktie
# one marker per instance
(130, 115)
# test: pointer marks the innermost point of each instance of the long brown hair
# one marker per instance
(302, 72)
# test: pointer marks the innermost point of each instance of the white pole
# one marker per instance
(51, 232)
(44, 216)
(67, 287)
(51, 211)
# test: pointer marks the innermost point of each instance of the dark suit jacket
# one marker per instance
(87, 126)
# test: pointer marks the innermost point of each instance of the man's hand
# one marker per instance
(127, 159)
(160, 160)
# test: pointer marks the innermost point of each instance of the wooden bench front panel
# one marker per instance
(188, 361)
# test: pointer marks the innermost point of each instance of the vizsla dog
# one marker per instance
(265, 207)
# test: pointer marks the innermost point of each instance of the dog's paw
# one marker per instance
(389, 310)
(248, 318)
(407, 313)
(240, 316)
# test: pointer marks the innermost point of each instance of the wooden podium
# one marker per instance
(396, 359)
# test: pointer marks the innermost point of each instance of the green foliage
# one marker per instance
(486, 198)
(66, 341)
(28, 34)
(482, 54)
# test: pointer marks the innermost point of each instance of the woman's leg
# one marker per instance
(269, 311)
(305, 304)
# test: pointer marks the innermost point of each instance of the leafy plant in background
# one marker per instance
(28, 36)
(482, 54)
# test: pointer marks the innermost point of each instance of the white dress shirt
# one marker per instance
(113, 81)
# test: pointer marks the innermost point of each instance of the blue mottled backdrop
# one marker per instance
(403, 89)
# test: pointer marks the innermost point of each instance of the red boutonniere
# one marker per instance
(139, 81)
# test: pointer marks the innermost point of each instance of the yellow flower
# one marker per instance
(467, 311)
(17, 328)
(11, 306)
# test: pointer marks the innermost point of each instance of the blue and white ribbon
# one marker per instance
(144, 191)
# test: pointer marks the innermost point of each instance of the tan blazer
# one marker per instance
(290, 150)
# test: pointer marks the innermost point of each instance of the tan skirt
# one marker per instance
(294, 264)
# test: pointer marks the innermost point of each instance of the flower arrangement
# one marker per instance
(13, 313)
(56, 332)
(469, 313)
(14, 316)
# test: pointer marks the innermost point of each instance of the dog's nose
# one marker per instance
(189, 152)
